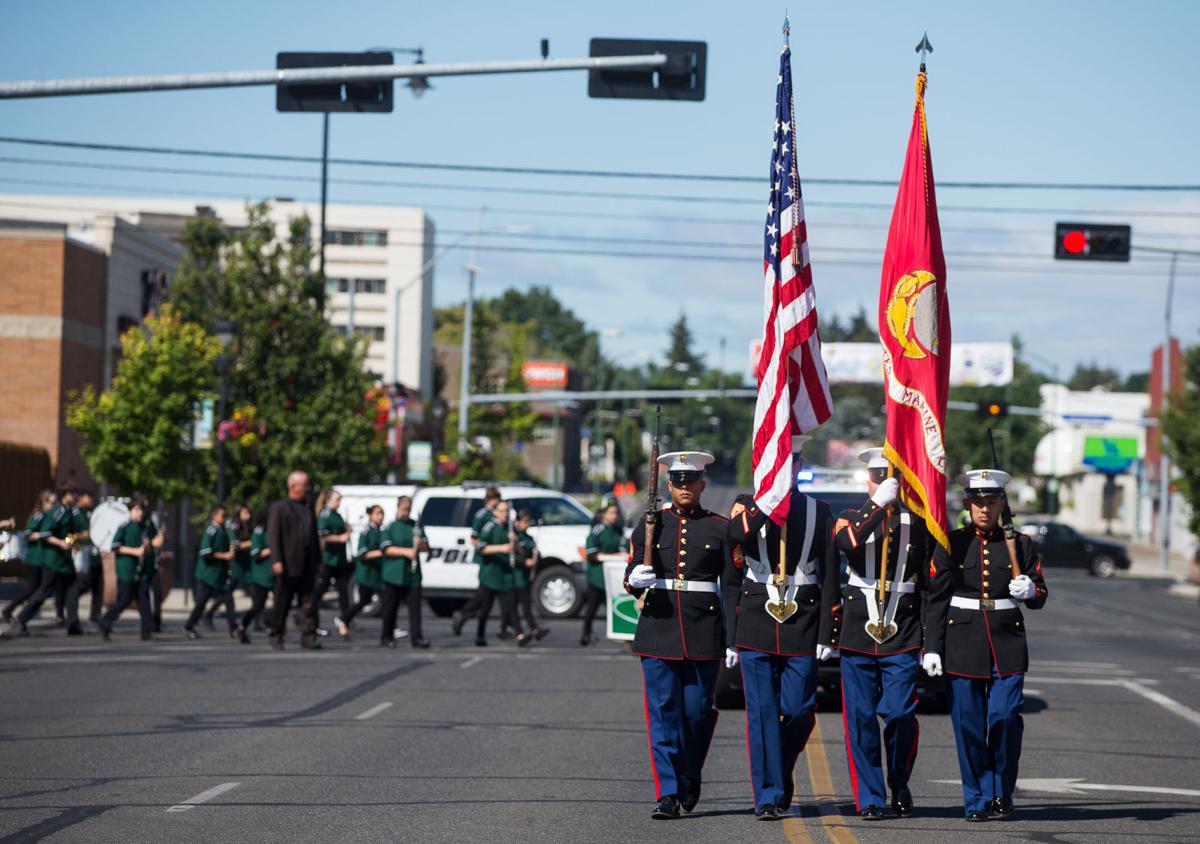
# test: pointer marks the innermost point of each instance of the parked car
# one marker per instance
(1061, 546)
(841, 491)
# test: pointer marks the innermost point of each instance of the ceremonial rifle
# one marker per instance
(1006, 520)
(651, 502)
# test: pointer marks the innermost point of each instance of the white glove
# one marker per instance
(731, 657)
(825, 653)
(1022, 588)
(642, 577)
(886, 492)
(932, 663)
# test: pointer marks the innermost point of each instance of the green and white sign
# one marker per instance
(1111, 455)
(622, 609)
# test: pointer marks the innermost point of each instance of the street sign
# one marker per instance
(681, 79)
(373, 95)
(1091, 242)
(1112, 455)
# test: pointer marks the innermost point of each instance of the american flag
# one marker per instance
(793, 389)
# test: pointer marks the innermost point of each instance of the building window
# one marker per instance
(356, 237)
(373, 333)
(361, 285)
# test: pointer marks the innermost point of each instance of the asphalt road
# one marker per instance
(207, 741)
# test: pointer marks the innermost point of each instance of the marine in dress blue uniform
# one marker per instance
(975, 633)
(879, 678)
(775, 631)
(680, 635)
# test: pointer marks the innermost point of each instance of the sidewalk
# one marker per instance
(1147, 562)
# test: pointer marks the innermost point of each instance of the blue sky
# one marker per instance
(1068, 91)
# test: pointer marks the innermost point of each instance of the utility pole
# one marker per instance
(1164, 462)
(464, 388)
(324, 198)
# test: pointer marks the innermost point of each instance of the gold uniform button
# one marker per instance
(683, 521)
(685, 530)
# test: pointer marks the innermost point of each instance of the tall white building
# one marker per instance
(377, 262)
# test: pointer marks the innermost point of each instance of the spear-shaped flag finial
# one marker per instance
(787, 28)
(924, 48)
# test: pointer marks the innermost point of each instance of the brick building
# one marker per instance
(52, 314)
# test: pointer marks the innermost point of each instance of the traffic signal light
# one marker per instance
(1091, 242)
(368, 95)
(991, 409)
(682, 78)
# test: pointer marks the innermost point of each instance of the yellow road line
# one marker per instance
(836, 828)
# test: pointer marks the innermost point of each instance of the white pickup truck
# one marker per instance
(449, 574)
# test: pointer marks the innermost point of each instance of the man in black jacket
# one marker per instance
(295, 559)
(680, 634)
(974, 630)
(779, 620)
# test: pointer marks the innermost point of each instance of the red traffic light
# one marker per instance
(1074, 242)
(1091, 242)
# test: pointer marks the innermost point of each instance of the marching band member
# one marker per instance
(131, 545)
(402, 545)
(606, 537)
(367, 568)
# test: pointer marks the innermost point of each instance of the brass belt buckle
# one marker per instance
(987, 604)
(779, 579)
(678, 584)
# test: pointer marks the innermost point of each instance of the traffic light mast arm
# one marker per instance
(372, 73)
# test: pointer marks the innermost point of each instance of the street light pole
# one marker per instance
(1164, 462)
(464, 388)
(224, 331)
(324, 197)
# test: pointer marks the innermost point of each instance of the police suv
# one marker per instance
(560, 527)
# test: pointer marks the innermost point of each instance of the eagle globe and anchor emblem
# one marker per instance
(912, 314)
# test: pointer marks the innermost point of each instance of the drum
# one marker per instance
(12, 545)
(106, 518)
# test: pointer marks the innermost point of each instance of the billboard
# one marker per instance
(971, 364)
(544, 373)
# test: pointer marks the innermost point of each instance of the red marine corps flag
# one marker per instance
(914, 328)
(793, 389)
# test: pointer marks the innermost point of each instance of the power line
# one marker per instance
(608, 174)
(636, 197)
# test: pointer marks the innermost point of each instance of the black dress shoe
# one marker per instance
(667, 809)
(691, 795)
(976, 817)
(540, 633)
(584, 641)
(481, 643)
(767, 812)
(105, 634)
(789, 791)
(387, 643)
(243, 636)
(276, 645)
(456, 625)
(902, 803)
(191, 634)
(1001, 807)
(523, 640)
(419, 642)
(75, 630)
(871, 813)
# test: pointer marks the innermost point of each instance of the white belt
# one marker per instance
(678, 584)
(985, 604)
(869, 585)
(792, 579)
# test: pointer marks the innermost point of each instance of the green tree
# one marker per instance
(1181, 424)
(1089, 376)
(137, 434)
(302, 385)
